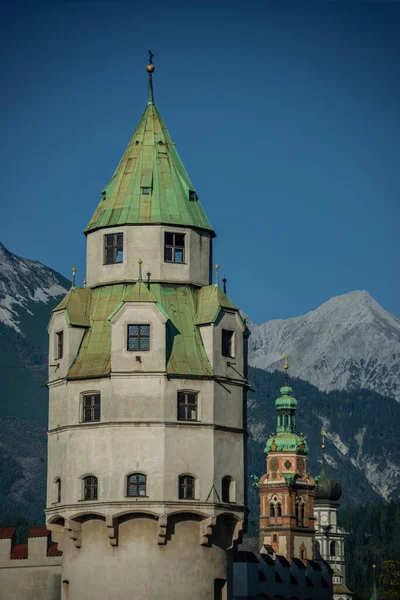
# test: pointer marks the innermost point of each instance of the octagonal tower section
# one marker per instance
(147, 394)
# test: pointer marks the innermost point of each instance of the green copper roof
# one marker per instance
(150, 161)
(185, 351)
(211, 299)
(286, 439)
(286, 442)
(77, 305)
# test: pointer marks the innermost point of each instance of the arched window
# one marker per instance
(302, 515)
(186, 487)
(136, 485)
(58, 489)
(285, 420)
(271, 510)
(303, 554)
(90, 488)
(317, 547)
(228, 489)
(297, 513)
(334, 548)
(91, 407)
(65, 590)
(279, 509)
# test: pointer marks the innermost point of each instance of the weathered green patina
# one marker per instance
(150, 184)
(286, 439)
(211, 299)
(184, 349)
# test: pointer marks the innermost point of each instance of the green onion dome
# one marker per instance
(327, 488)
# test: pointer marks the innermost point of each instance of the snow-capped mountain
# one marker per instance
(347, 343)
(23, 282)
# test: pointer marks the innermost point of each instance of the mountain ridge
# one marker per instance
(348, 342)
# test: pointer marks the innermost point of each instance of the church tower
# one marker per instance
(147, 393)
(287, 490)
(329, 536)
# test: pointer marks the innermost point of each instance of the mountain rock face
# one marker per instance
(23, 282)
(347, 343)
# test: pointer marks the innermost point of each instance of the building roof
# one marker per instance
(210, 300)
(185, 351)
(6, 533)
(150, 161)
(327, 488)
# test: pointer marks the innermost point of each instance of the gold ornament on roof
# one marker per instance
(286, 365)
(323, 433)
(150, 66)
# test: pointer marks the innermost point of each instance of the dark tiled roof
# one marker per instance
(299, 563)
(245, 556)
(19, 552)
(314, 565)
(283, 560)
(38, 531)
(53, 550)
(6, 533)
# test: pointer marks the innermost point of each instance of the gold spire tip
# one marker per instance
(73, 269)
(140, 261)
(286, 365)
(150, 66)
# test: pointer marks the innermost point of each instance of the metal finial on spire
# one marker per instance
(140, 278)
(217, 275)
(286, 367)
(150, 70)
(73, 276)
(323, 434)
(84, 283)
(224, 282)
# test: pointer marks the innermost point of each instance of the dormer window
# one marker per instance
(192, 195)
(145, 191)
(113, 248)
(138, 338)
(174, 247)
(227, 343)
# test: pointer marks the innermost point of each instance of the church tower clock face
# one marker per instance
(324, 518)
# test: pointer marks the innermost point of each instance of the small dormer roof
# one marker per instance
(211, 299)
(76, 304)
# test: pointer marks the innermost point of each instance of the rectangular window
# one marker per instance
(145, 191)
(91, 408)
(186, 487)
(59, 344)
(113, 248)
(138, 338)
(174, 247)
(187, 406)
(136, 485)
(227, 343)
(192, 195)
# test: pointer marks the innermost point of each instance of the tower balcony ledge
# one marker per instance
(151, 507)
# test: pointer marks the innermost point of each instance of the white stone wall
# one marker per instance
(72, 338)
(147, 243)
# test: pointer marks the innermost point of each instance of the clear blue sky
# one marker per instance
(285, 114)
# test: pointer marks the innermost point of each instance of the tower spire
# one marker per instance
(150, 70)
(323, 470)
(286, 367)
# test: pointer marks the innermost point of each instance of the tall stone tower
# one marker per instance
(329, 536)
(147, 384)
(287, 490)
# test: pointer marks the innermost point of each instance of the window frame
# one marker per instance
(137, 484)
(90, 394)
(139, 337)
(183, 479)
(59, 344)
(93, 488)
(175, 247)
(115, 246)
(57, 482)
(186, 405)
(230, 352)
